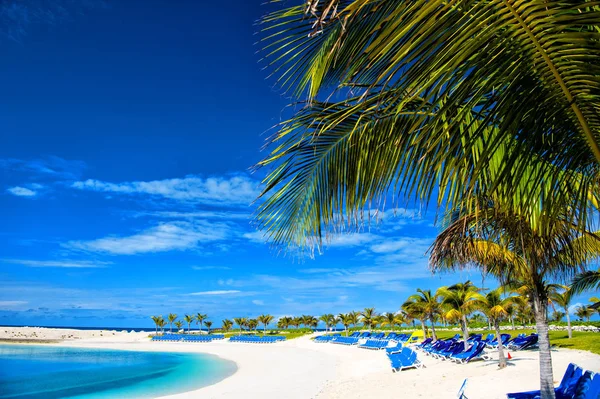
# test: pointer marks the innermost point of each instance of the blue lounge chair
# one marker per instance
(494, 344)
(403, 360)
(576, 383)
(473, 353)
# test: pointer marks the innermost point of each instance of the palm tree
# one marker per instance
(428, 305)
(415, 313)
(584, 313)
(595, 300)
(156, 320)
(208, 325)
(506, 245)
(296, 322)
(252, 324)
(162, 323)
(388, 319)
(557, 315)
(495, 308)
(227, 324)
(189, 319)
(368, 317)
(328, 319)
(172, 317)
(284, 322)
(423, 102)
(586, 281)
(460, 300)
(354, 318)
(511, 312)
(265, 319)
(241, 322)
(178, 325)
(564, 301)
(200, 320)
(306, 320)
(346, 320)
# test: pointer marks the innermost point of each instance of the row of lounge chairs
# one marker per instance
(576, 383)
(365, 340)
(187, 337)
(453, 349)
(256, 339)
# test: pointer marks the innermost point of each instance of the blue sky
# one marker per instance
(128, 132)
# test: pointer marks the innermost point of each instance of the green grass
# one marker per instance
(587, 341)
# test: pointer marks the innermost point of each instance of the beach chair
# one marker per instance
(403, 360)
(461, 391)
(475, 352)
(576, 383)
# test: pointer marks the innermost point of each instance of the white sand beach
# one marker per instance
(300, 368)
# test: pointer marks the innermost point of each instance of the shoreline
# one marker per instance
(300, 368)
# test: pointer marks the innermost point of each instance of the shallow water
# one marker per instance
(28, 371)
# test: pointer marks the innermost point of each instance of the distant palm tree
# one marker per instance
(557, 315)
(189, 319)
(172, 317)
(162, 323)
(200, 320)
(495, 307)
(415, 312)
(252, 324)
(429, 305)
(584, 313)
(511, 312)
(368, 317)
(354, 317)
(156, 320)
(307, 320)
(388, 319)
(265, 319)
(178, 325)
(296, 322)
(460, 300)
(208, 325)
(241, 322)
(564, 301)
(346, 320)
(284, 322)
(328, 319)
(227, 324)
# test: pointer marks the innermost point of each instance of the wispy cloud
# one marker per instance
(81, 264)
(217, 292)
(221, 215)
(164, 237)
(21, 191)
(9, 305)
(211, 268)
(224, 191)
(54, 167)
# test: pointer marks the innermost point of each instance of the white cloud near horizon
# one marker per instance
(52, 166)
(211, 268)
(77, 264)
(217, 292)
(160, 238)
(21, 191)
(236, 190)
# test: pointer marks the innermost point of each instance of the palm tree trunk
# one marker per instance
(423, 326)
(568, 322)
(541, 323)
(465, 330)
(501, 358)
(512, 321)
(432, 330)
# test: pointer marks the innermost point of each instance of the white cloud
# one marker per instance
(8, 305)
(407, 244)
(256, 236)
(217, 292)
(195, 215)
(78, 264)
(164, 237)
(258, 302)
(211, 268)
(236, 190)
(52, 166)
(21, 191)
(352, 239)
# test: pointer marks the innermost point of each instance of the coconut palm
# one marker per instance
(227, 324)
(564, 301)
(593, 301)
(368, 317)
(418, 93)
(388, 319)
(200, 320)
(252, 324)
(511, 312)
(208, 324)
(156, 320)
(328, 319)
(296, 322)
(284, 322)
(461, 300)
(354, 318)
(306, 320)
(241, 322)
(265, 319)
(584, 312)
(178, 325)
(428, 305)
(172, 317)
(162, 323)
(557, 315)
(346, 320)
(189, 319)
(506, 245)
(415, 313)
(494, 306)
(586, 281)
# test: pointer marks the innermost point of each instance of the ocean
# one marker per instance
(36, 371)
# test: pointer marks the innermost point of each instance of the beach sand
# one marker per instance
(301, 369)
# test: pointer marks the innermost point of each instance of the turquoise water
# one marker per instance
(49, 372)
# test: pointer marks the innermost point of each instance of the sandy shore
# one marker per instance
(299, 368)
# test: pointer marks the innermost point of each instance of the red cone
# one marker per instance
(509, 356)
